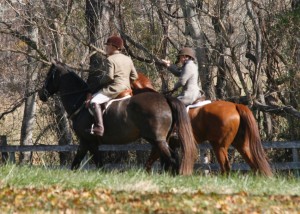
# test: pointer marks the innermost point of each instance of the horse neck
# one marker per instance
(73, 92)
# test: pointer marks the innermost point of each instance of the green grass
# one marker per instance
(27, 189)
(139, 180)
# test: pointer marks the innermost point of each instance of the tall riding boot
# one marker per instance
(98, 128)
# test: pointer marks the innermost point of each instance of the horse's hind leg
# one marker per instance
(154, 155)
(168, 157)
(222, 157)
(81, 152)
(242, 145)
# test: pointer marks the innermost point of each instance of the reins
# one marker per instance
(71, 116)
(73, 92)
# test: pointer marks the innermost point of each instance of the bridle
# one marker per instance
(45, 91)
(48, 94)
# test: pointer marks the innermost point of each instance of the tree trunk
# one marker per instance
(165, 77)
(98, 23)
(196, 39)
(295, 4)
(99, 28)
(225, 86)
(63, 130)
(30, 104)
(257, 82)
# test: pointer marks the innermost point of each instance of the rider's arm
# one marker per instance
(175, 70)
(171, 67)
(133, 73)
(186, 74)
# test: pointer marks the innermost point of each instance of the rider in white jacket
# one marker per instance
(188, 75)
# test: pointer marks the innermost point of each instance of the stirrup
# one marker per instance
(92, 129)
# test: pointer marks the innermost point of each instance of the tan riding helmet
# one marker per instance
(187, 52)
(115, 41)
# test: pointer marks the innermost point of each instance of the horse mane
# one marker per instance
(142, 84)
(66, 70)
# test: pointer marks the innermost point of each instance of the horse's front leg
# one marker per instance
(96, 155)
(81, 152)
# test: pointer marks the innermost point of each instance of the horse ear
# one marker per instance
(58, 61)
(53, 61)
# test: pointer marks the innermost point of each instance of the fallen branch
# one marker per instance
(278, 110)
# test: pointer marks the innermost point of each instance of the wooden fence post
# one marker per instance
(296, 159)
(3, 142)
(295, 155)
(6, 156)
(204, 159)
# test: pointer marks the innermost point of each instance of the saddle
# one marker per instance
(125, 93)
(200, 98)
(200, 101)
(121, 96)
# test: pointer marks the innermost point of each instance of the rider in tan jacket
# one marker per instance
(119, 74)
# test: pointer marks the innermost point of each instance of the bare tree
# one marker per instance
(257, 81)
(196, 38)
(55, 21)
(31, 76)
(98, 22)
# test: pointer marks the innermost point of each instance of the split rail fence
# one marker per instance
(8, 152)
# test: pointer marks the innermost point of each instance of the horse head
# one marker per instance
(52, 82)
(63, 80)
(50, 85)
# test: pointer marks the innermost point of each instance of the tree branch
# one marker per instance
(17, 104)
(278, 110)
(32, 44)
(26, 53)
(153, 58)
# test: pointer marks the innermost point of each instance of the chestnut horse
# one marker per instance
(148, 115)
(223, 124)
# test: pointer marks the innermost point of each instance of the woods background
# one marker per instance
(248, 52)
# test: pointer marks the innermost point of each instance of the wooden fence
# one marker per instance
(8, 152)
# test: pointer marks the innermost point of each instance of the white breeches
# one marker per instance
(100, 98)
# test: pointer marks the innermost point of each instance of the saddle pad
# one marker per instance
(114, 100)
(201, 103)
(109, 103)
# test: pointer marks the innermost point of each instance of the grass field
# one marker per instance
(40, 189)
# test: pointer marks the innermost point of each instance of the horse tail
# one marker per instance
(185, 133)
(249, 124)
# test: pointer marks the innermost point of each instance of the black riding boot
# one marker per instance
(98, 128)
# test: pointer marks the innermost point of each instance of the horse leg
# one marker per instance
(81, 152)
(242, 146)
(167, 155)
(174, 144)
(245, 153)
(154, 155)
(222, 157)
(96, 155)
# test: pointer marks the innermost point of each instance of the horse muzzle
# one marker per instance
(43, 95)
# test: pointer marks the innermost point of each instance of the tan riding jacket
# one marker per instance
(120, 72)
